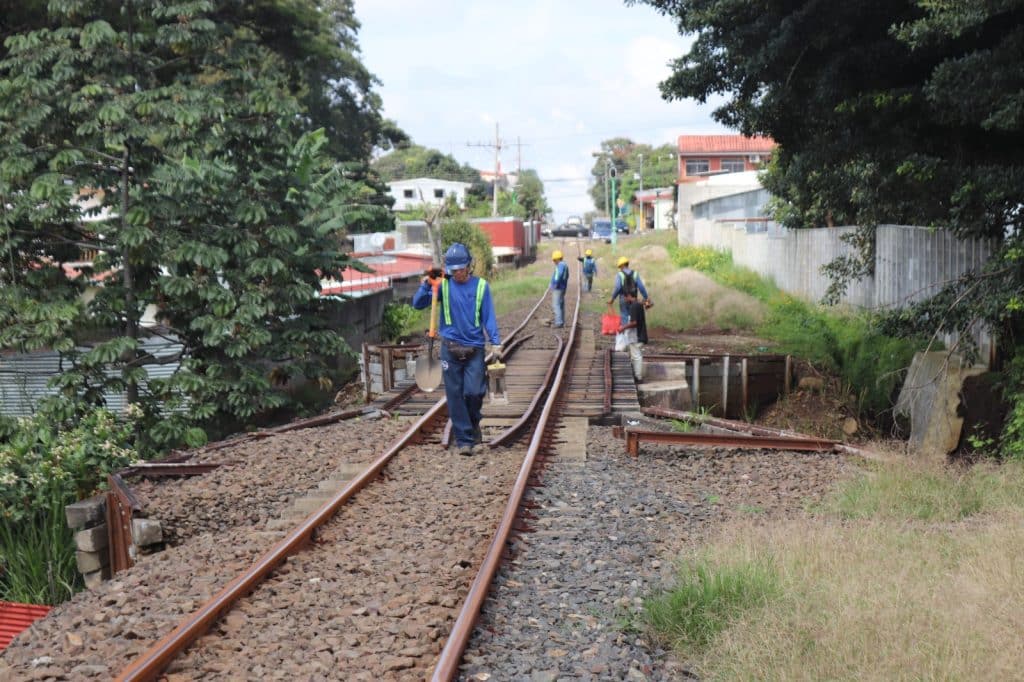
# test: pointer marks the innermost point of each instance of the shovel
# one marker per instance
(428, 367)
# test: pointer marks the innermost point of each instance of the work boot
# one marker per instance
(466, 450)
(478, 434)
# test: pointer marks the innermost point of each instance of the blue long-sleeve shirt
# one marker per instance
(560, 277)
(618, 285)
(462, 304)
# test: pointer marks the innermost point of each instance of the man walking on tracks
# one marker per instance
(635, 332)
(467, 311)
(625, 281)
(589, 269)
(559, 283)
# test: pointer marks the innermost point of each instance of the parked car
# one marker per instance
(601, 228)
(570, 230)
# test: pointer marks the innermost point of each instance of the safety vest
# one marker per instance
(481, 284)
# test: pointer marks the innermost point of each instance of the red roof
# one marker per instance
(385, 268)
(17, 617)
(725, 144)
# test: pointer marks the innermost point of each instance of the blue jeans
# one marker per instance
(589, 280)
(558, 306)
(465, 385)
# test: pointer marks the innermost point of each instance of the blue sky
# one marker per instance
(558, 76)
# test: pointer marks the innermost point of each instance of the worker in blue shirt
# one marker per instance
(589, 269)
(628, 279)
(559, 283)
(467, 311)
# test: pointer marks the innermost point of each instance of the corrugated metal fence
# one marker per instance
(911, 263)
(24, 378)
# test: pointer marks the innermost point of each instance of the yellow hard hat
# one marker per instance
(556, 255)
(622, 261)
(589, 252)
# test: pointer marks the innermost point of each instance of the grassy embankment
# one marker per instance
(910, 571)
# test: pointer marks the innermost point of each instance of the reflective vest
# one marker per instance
(481, 284)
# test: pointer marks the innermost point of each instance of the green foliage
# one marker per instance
(854, 346)
(905, 492)
(398, 320)
(189, 139)
(708, 598)
(1012, 440)
(657, 165)
(866, 101)
(43, 468)
(461, 230)
(409, 161)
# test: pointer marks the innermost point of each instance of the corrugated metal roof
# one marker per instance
(725, 144)
(15, 618)
(24, 378)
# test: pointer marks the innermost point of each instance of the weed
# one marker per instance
(707, 598)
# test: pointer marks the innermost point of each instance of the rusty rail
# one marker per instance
(448, 662)
(149, 664)
(635, 436)
(510, 434)
(121, 507)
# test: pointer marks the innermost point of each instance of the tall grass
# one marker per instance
(708, 598)
(871, 364)
(924, 491)
(37, 556)
(911, 571)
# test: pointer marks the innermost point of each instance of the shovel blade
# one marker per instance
(428, 371)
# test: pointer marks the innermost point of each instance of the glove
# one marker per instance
(496, 350)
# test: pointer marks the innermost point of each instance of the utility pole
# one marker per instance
(615, 207)
(497, 144)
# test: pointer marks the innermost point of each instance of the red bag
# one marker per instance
(609, 324)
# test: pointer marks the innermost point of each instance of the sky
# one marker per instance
(557, 77)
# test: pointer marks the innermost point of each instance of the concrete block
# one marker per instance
(92, 539)
(400, 375)
(674, 395)
(86, 512)
(147, 532)
(89, 562)
(94, 579)
(664, 371)
(930, 397)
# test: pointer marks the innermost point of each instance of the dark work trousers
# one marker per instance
(589, 279)
(465, 385)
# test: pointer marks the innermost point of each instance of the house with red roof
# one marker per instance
(703, 155)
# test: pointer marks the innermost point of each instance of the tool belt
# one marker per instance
(460, 352)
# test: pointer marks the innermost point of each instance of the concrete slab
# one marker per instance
(930, 398)
(672, 394)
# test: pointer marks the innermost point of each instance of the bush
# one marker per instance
(42, 469)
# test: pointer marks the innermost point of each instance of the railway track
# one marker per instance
(385, 569)
(392, 577)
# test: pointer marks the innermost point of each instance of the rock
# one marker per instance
(813, 384)
(850, 426)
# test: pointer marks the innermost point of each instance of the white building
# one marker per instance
(414, 192)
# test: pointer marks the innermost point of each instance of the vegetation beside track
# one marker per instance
(910, 571)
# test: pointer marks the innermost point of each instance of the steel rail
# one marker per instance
(150, 663)
(634, 436)
(448, 661)
(729, 424)
(510, 434)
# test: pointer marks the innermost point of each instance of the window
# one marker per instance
(697, 166)
(408, 193)
(439, 194)
(733, 166)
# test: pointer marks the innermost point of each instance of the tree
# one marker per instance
(414, 161)
(529, 195)
(902, 111)
(657, 165)
(173, 141)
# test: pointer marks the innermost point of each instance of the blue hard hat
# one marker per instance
(456, 257)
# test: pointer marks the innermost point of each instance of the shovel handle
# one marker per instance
(435, 285)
